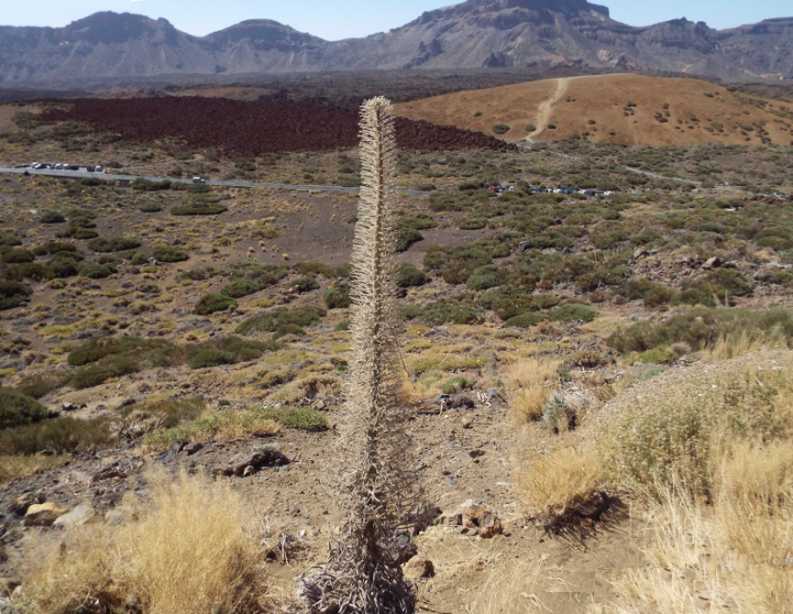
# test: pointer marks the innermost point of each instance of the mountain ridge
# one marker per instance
(475, 34)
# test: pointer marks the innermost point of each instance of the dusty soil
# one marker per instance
(624, 109)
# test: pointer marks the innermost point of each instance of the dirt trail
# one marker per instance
(545, 110)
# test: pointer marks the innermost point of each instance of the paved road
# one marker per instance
(225, 183)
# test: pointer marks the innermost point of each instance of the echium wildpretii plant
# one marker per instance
(363, 575)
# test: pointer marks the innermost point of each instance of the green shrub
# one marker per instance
(214, 303)
(95, 270)
(501, 129)
(76, 232)
(17, 409)
(40, 385)
(449, 312)
(58, 436)
(114, 244)
(226, 351)
(701, 327)
(486, 277)
(168, 254)
(53, 248)
(406, 237)
(282, 321)
(153, 352)
(306, 284)
(525, 320)
(572, 312)
(199, 208)
(249, 279)
(456, 385)
(338, 297)
(408, 276)
(18, 256)
(301, 419)
(52, 217)
(653, 294)
(100, 360)
(13, 294)
(62, 267)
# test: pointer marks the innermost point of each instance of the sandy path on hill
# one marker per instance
(545, 110)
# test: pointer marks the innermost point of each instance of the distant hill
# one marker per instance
(473, 34)
(623, 109)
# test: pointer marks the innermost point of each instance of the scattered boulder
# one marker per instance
(419, 568)
(713, 263)
(43, 514)
(78, 517)
(266, 457)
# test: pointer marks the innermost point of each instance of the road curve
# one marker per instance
(223, 183)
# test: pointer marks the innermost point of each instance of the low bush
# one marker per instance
(13, 294)
(701, 328)
(114, 244)
(199, 208)
(449, 312)
(56, 436)
(169, 254)
(486, 277)
(214, 303)
(226, 351)
(52, 217)
(572, 312)
(95, 270)
(338, 297)
(18, 256)
(17, 409)
(408, 276)
(40, 385)
(406, 237)
(672, 440)
(249, 279)
(306, 284)
(100, 360)
(282, 321)
(301, 418)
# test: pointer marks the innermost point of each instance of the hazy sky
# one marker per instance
(334, 19)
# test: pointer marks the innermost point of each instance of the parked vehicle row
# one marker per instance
(63, 166)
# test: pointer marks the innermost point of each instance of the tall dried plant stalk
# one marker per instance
(364, 575)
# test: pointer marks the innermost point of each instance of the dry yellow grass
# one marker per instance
(13, 467)
(735, 556)
(187, 550)
(552, 483)
(529, 383)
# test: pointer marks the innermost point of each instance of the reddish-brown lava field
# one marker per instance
(270, 125)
